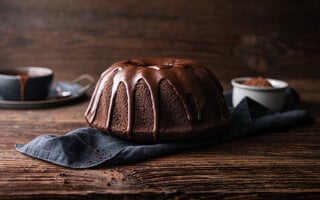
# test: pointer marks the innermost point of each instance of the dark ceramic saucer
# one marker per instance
(61, 92)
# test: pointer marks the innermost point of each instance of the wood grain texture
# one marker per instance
(278, 39)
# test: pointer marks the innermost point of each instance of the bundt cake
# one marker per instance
(158, 100)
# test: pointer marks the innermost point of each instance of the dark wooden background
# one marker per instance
(234, 38)
(277, 39)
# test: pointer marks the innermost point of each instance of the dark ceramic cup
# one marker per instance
(25, 83)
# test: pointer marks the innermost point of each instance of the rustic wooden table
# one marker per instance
(236, 38)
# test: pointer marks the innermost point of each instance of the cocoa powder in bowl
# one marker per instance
(258, 82)
(270, 94)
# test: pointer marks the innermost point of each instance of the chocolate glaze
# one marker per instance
(23, 82)
(178, 72)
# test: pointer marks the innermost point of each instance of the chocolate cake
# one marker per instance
(158, 100)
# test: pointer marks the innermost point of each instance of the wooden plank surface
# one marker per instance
(233, 38)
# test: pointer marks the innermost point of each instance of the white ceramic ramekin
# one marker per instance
(271, 97)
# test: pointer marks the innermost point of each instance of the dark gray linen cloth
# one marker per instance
(89, 147)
